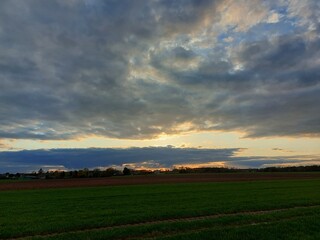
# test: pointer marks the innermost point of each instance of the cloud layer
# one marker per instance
(139, 69)
(145, 158)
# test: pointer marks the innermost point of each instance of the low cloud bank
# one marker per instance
(147, 157)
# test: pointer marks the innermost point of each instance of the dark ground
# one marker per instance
(153, 179)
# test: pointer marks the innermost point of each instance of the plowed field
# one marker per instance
(153, 179)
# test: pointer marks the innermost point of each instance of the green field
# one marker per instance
(286, 209)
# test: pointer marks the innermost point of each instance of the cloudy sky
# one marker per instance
(223, 82)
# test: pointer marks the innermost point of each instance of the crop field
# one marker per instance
(274, 209)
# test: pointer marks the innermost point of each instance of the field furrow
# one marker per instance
(179, 220)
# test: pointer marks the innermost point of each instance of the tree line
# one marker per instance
(109, 172)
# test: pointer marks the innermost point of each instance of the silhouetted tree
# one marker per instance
(96, 172)
(126, 171)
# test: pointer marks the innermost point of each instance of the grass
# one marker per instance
(100, 210)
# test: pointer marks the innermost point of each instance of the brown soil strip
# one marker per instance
(173, 220)
(154, 179)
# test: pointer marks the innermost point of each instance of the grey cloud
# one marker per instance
(65, 66)
(290, 113)
(148, 157)
(275, 94)
(282, 150)
(182, 53)
(284, 89)
(307, 13)
(66, 71)
(287, 53)
(185, 16)
(105, 157)
(277, 149)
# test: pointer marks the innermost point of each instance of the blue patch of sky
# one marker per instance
(256, 33)
(282, 10)
(264, 30)
(236, 38)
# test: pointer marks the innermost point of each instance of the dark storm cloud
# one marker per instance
(132, 69)
(158, 157)
(148, 157)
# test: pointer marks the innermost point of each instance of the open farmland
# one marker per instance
(153, 179)
(273, 209)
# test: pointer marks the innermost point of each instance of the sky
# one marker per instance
(159, 83)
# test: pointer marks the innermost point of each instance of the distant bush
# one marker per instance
(126, 171)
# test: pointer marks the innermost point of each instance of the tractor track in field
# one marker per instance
(172, 220)
(191, 231)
